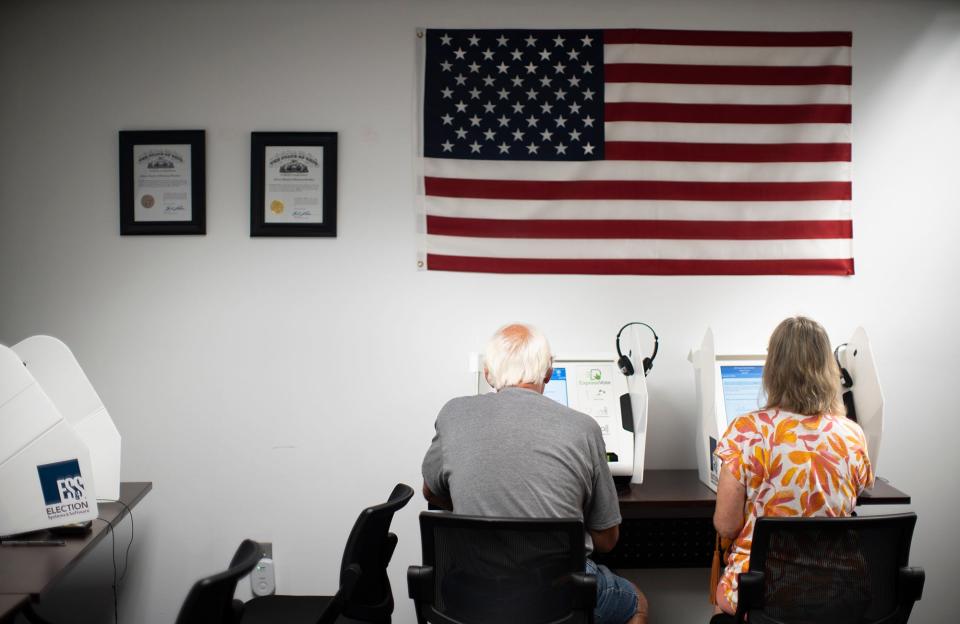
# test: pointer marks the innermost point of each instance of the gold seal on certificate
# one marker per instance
(293, 176)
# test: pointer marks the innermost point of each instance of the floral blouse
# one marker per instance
(791, 465)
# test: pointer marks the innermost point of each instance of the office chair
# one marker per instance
(210, 600)
(496, 570)
(364, 594)
(831, 570)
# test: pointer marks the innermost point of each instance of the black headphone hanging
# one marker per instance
(846, 381)
(626, 366)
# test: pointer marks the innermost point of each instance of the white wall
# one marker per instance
(271, 388)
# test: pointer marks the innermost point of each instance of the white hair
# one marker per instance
(517, 354)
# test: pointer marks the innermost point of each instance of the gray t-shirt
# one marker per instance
(518, 454)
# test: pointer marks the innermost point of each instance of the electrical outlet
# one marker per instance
(263, 578)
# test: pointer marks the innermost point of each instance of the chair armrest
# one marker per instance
(584, 591)
(348, 582)
(749, 593)
(911, 583)
(389, 545)
(420, 584)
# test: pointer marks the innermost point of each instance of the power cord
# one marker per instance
(126, 556)
(113, 558)
(113, 554)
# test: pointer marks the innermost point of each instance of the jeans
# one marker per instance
(616, 596)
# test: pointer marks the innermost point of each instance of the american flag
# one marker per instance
(636, 151)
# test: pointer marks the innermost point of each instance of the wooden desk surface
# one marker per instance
(29, 570)
(677, 489)
(668, 489)
(882, 493)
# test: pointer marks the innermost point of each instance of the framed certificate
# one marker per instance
(293, 184)
(162, 182)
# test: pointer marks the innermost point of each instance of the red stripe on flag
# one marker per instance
(727, 113)
(728, 38)
(636, 189)
(727, 152)
(727, 74)
(827, 266)
(635, 229)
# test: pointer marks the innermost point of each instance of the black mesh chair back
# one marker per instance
(495, 570)
(836, 570)
(210, 600)
(370, 546)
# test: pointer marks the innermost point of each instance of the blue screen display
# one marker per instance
(742, 389)
(556, 388)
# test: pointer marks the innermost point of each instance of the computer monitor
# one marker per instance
(741, 388)
(556, 388)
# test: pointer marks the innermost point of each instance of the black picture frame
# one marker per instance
(130, 224)
(259, 144)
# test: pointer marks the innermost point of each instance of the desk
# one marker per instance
(28, 571)
(668, 520)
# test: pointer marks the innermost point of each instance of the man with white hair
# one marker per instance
(516, 453)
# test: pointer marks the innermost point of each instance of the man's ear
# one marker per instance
(486, 376)
(546, 379)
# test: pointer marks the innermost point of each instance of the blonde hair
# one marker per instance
(517, 354)
(800, 374)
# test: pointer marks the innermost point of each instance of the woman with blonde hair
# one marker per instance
(797, 456)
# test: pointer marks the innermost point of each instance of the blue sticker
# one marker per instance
(61, 482)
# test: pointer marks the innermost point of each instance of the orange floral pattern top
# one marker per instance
(791, 465)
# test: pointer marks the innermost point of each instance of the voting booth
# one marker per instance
(864, 392)
(46, 475)
(595, 386)
(57, 371)
(731, 384)
(59, 448)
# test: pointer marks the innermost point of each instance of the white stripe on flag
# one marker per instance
(637, 209)
(800, 249)
(724, 55)
(726, 133)
(637, 170)
(725, 94)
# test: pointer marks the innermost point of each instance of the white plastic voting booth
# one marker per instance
(729, 385)
(56, 369)
(856, 357)
(596, 387)
(46, 476)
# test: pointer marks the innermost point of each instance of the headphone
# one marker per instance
(626, 366)
(845, 379)
(846, 382)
